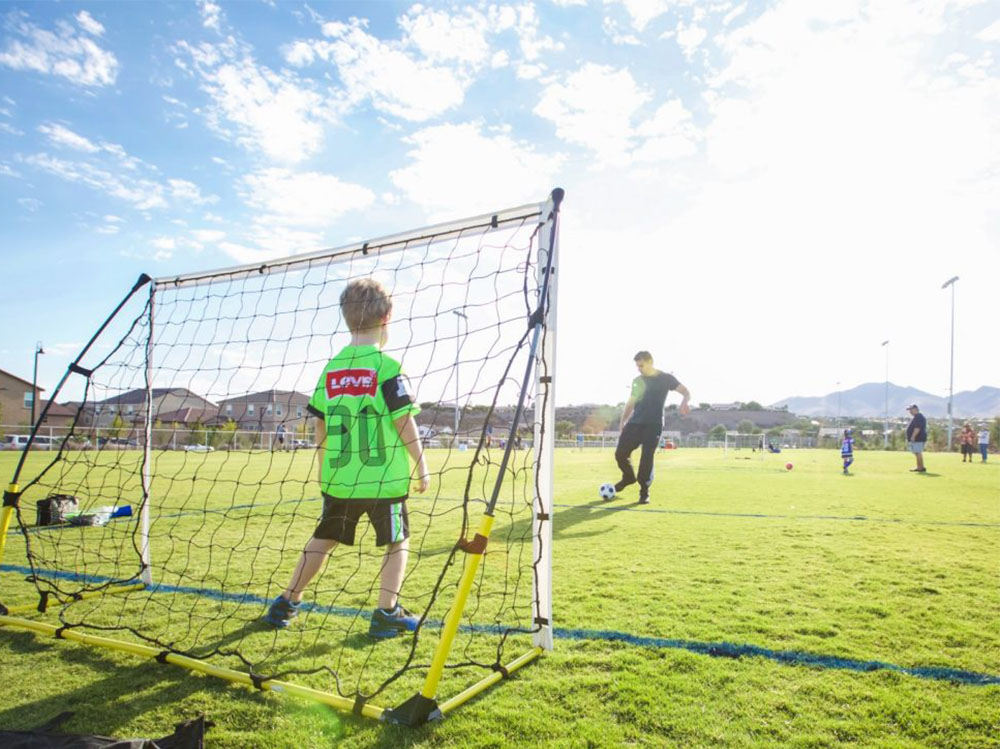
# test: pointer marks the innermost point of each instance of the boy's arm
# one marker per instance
(685, 409)
(406, 426)
(320, 445)
(629, 407)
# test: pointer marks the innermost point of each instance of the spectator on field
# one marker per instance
(984, 442)
(279, 435)
(916, 436)
(967, 438)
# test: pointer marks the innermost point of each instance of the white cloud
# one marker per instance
(211, 14)
(111, 225)
(642, 12)
(991, 33)
(272, 112)
(143, 194)
(382, 72)
(307, 199)
(456, 169)
(264, 242)
(443, 37)
(88, 24)
(63, 136)
(6, 170)
(610, 27)
(63, 52)
(6, 127)
(669, 134)
(30, 204)
(208, 235)
(690, 38)
(603, 109)
(594, 107)
(189, 192)
(427, 71)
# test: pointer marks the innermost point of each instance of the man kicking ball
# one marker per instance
(642, 422)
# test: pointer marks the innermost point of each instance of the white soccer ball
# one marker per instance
(607, 491)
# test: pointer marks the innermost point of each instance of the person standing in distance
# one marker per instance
(916, 435)
(984, 442)
(642, 422)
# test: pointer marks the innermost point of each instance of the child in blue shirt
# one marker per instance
(847, 450)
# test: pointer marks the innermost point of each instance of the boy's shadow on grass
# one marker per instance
(117, 694)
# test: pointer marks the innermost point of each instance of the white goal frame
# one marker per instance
(755, 443)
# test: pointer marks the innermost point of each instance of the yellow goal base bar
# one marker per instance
(343, 704)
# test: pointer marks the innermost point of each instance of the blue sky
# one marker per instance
(758, 193)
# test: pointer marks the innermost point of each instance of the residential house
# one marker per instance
(264, 411)
(131, 407)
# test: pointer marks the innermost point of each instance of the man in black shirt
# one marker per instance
(642, 422)
(916, 435)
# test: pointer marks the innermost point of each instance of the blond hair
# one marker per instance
(364, 304)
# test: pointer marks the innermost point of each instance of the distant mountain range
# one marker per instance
(869, 400)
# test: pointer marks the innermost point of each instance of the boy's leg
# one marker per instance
(392, 530)
(393, 571)
(646, 458)
(628, 441)
(312, 560)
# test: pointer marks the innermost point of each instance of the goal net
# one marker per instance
(190, 473)
(744, 445)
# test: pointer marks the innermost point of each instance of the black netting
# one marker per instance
(225, 365)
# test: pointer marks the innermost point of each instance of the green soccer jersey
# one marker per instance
(359, 395)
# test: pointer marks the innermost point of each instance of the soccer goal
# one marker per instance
(190, 519)
(744, 445)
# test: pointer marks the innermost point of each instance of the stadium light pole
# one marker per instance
(34, 380)
(458, 349)
(951, 378)
(885, 425)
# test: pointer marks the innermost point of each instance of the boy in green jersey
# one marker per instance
(367, 435)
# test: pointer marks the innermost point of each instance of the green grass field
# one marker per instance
(812, 573)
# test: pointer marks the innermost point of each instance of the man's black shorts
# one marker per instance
(341, 516)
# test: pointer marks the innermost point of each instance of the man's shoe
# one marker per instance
(281, 612)
(921, 470)
(386, 624)
(644, 500)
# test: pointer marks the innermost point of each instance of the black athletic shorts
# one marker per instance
(341, 516)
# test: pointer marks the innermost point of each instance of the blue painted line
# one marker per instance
(713, 649)
(789, 657)
(849, 518)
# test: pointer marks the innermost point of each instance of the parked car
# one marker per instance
(199, 448)
(20, 441)
(296, 444)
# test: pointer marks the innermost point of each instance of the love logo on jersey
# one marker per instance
(351, 382)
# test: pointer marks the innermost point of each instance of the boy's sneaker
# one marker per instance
(387, 624)
(281, 612)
